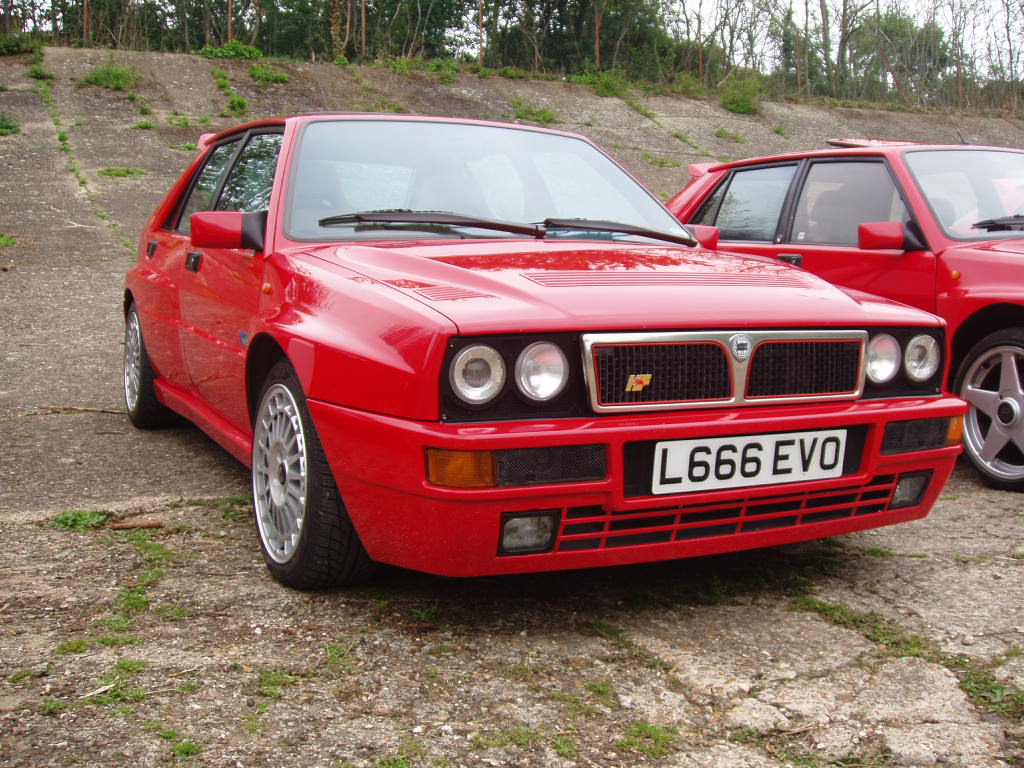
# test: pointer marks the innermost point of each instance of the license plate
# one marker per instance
(683, 466)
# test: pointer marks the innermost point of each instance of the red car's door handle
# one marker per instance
(796, 259)
(192, 260)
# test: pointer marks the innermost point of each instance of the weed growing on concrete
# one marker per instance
(74, 645)
(79, 519)
(266, 74)
(271, 681)
(660, 162)
(8, 125)
(112, 75)
(122, 173)
(732, 136)
(524, 111)
(6, 241)
(648, 739)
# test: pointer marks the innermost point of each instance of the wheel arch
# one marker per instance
(264, 353)
(975, 327)
(128, 300)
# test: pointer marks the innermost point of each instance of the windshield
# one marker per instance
(479, 171)
(971, 187)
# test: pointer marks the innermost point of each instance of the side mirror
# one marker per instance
(229, 229)
(887, 236)
(707, 236)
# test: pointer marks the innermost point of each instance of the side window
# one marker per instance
(749, 205)
(250, 182)
(837, 197)
(200, 197)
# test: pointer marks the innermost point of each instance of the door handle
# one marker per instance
(192, 260)
(796, 259)
(150, 249)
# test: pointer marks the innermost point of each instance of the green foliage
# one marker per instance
(171, 612)
(741, 95)
(8, 125)
(122, 173)
(341, 61)
(648, 739)
(115, 623)
(145, 125)
(79, 519)
(74, 645)
(271, 681)
(781, 131)
(732, 136)
(131, 600)
(660, 162)
(541, 115)
(237, 105)
(266, 75)
(186, 749)
(18, 44)
(37, 72)
(110, 74)
(51, 706)
(233, 49)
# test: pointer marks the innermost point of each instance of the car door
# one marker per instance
(166, 253)
(817, 206)
(221, 287)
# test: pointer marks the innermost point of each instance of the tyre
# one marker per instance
(991, 379)
(144, 410)
(307, 538)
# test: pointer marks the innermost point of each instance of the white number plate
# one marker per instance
(682, 466)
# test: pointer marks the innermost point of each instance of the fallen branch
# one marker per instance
(97, 692)
(50, 409)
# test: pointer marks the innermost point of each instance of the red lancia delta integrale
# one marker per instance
(936, 227)
(472, 348)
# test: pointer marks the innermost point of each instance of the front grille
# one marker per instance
(781, 368)
(671, 372)
(593, 527)
(693, 369)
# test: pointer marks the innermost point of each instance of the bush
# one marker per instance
(340, 61)
(231, 50)
(8, 125)
(609, 83)
(18, 44)
(36, 71)
(237, 105)
(541, 115)
(262, 74)
(116, 77)
(741, 96)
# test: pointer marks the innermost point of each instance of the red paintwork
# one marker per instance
(977, 287)
(880, 235)
(366, 326)
(217, 229)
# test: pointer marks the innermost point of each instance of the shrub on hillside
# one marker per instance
(231, 50)
(741, 96)
(18, 44)
(116, 77)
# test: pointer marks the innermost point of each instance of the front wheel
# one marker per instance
(991, 379)
(307, 538)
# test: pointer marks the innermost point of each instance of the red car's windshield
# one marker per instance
(479, 171)
(975, 194)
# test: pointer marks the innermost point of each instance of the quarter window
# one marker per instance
(749, 205)
(200, 197)
(837, 197)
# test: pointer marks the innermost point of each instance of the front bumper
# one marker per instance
(380, 467)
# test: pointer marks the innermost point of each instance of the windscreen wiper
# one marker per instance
(596, 225)
(406, 216)
(999, 224)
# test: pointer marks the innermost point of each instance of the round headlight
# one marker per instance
(921, 360)
(542, 370)
(884, 355)
(477, 374)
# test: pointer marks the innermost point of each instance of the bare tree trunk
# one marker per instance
(231, 20)
(362, 29)
(258, 13)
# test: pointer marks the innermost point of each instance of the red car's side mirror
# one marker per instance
(707, 236)
(887, 236)
(229, 229)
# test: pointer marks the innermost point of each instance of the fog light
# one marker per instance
(956, 430)
(526, 532)
(910, 489)
(460, 469)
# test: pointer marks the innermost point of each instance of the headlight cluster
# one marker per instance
(920, 359)
(477, 373)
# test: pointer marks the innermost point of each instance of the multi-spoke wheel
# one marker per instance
(144, 410)
(991, 379)
(307, 538)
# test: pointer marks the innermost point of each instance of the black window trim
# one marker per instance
(242, 140)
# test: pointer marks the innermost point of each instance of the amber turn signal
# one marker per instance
(956, 430)
(461, 469)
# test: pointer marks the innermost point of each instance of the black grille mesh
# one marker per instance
(555, 464)
(789, 368)
(678, 371)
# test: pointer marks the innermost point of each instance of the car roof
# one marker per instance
(853, 148)
(208, 138)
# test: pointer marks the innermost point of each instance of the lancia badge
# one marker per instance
(638, 381)
(740, 344)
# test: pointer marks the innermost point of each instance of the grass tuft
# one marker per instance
(541, 115)
(8, 125)
(112, 75)
(79, 519)
(122, 173)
